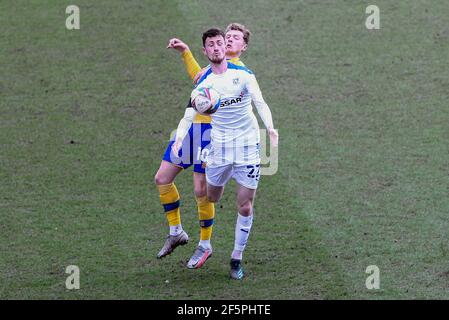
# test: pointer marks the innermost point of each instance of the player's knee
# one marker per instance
(245, 209)
(160, 179)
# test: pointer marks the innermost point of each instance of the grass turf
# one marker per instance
(363, 166)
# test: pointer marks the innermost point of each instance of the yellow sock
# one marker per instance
(206, 213)
(169, 197)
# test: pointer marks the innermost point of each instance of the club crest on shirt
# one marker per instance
(236, 81)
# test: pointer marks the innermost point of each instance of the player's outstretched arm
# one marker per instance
(183, 129)
(192, 66)
(263, 110)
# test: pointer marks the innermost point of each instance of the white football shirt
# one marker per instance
(234, 123)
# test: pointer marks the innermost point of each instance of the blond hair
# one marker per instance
(239, 27)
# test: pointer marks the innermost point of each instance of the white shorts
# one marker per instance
(246, 175)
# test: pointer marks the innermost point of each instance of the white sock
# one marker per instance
(205, 244)
(237, 254)
(242, 230)
(176, 230)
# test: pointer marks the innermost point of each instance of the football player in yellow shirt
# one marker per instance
(191, 151)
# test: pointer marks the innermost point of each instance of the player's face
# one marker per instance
(235, 44)
(215, 49)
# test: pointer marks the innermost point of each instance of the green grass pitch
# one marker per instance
(363, 177)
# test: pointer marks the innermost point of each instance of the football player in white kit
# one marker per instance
(235, 137)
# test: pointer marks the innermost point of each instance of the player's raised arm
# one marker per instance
(192, 66)
(262, 109)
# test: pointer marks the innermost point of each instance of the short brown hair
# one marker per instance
(239, 27)
(213, 32)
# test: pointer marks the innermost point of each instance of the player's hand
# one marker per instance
(274, 137)
(178, 45)
(176, 146)
(199, 75)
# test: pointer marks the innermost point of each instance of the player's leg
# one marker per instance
(206, 209)
(170, 167)
(247, 181)
(206, 213)
(168, 194)
(169, 197)
(245, 201)
(214, 193)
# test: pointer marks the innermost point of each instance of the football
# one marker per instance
(205, 100)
